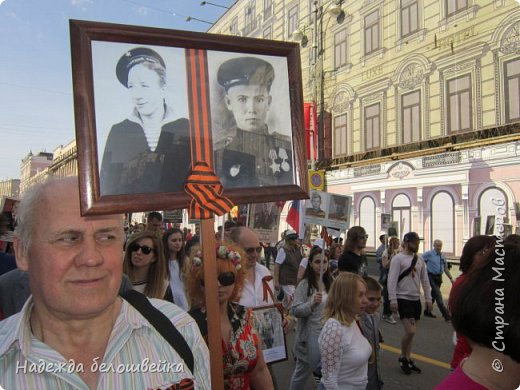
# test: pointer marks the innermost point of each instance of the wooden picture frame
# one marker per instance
(112, 127)
(269, 327)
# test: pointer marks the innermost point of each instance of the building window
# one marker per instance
(443, 221)
(233, 27)
(409, 17)
(340, 135)
(411, 116)
(249, 18)
(372, 32)
(340, 48)
(372, 125)
(367, 219)
(455, 6)
(268, 8)
(268, 33)
(489, 212)
(292, 20)
(512, 90)
(401, 213)
(459, 104)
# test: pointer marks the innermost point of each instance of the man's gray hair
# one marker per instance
(27, 210)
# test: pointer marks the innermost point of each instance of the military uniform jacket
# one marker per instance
(253, 159)
(129, 166)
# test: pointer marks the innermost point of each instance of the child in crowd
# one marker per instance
(370, 321)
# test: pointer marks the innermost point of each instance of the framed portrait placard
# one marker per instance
(151, 103)
(269, 327)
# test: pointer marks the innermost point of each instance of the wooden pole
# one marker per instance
(212, 304)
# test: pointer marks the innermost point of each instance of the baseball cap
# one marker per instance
(411, 236)
(291, 235)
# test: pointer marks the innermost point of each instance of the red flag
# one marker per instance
(293, 216)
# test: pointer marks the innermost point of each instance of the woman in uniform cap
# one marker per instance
(149, 151)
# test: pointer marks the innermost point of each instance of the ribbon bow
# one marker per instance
(205, 190)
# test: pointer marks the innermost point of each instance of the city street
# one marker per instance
(433, 347)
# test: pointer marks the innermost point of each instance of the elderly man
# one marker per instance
(74, 331)
(437, 265)
(256, 274)
(286, 267)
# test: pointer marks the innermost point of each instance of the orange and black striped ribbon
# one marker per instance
(202, 184)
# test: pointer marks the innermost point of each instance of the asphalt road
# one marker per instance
(433, 348)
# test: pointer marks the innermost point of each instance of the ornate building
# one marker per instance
(419, 104)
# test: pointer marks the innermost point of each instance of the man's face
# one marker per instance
(74, 263)
(154, 225)
(374, 301)
(437, 245)
(316, 202)
(249, 242)
(249, 104)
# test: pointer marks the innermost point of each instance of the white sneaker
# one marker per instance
(390, 319)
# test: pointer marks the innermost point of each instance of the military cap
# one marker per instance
(245, 71)
(134, 57)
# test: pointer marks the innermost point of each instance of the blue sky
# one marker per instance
(36, 104)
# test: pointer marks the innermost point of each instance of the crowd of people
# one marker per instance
(71, 300)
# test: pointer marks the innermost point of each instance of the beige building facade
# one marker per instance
(420, 101)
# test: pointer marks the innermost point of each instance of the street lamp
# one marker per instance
(190, 18)
(213, 4)
(334, 10)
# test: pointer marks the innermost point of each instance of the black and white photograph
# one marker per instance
(269, 327)
(265, 220)
(339, 207)
(252, 135)
(328, 210)
(385, 220)
(151, 104)
(316, 206)
(141, 117)
(476, 226)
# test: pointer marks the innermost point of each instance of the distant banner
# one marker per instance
(264, 218)
(173, 216)
(329, 210)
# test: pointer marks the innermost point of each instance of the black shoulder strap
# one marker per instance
(162, 324)
(407, 271)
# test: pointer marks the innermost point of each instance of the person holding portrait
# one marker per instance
(150, 150)
(251, 154)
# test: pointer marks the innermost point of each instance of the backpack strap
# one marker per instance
(162, 324)
(407, 271)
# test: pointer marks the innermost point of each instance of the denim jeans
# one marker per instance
(435, 283)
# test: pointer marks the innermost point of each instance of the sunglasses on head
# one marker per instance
(225, 279)
(250, 251)
(145, 249)
(363, 237)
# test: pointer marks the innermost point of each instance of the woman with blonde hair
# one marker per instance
(343, 348)
(145, 265)
(242, 358)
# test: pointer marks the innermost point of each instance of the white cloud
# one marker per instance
(81, 4)
(1, 1)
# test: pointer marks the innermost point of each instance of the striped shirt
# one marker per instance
(136, 357)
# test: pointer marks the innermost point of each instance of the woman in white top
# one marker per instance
(307, 307)
(343, 348)
(173, 243)
(145, 265)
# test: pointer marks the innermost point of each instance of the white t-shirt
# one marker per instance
(253, 295)
(344, 356)
(304, 262)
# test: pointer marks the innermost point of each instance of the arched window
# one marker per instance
(367, 219)
(492, 208)
(401, 213)
(443, 221)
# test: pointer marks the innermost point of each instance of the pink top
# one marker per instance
(459, 380)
